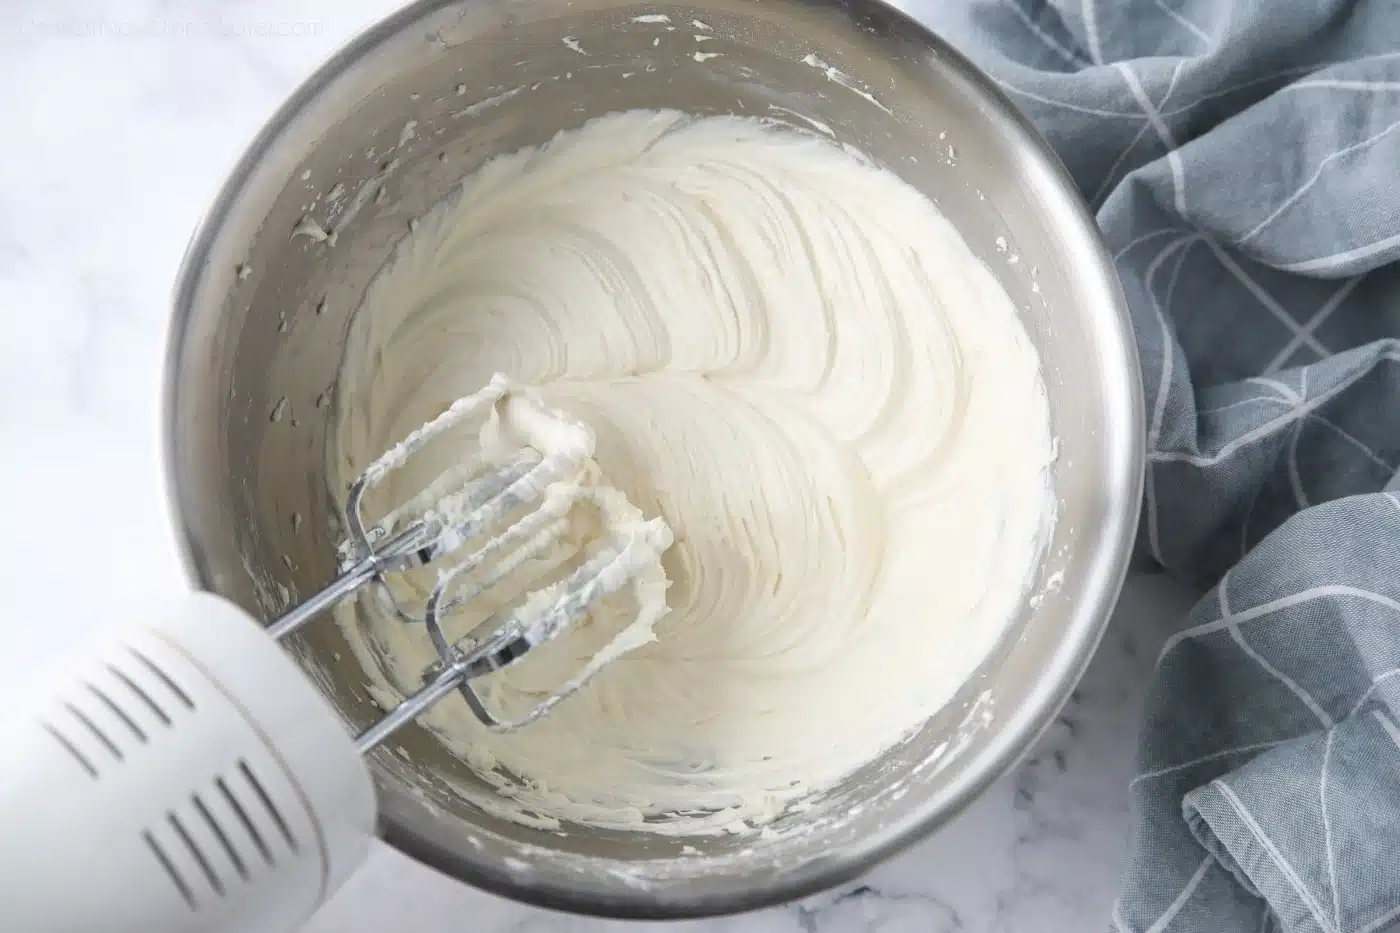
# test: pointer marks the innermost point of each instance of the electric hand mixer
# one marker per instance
(186, 775)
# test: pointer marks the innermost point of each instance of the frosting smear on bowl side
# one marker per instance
(791, 356)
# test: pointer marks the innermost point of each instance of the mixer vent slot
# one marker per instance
(249, 827)
(170, 870)
(94, 730)
(197, 853)
(165, 679)
(72, 749)
(116, 710)
(234, 857)
(266, 799)
(136, 690)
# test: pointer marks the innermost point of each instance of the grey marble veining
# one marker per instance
(122, 118)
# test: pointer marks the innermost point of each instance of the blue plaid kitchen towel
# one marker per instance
(1243, 159)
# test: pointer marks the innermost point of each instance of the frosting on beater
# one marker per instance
(791, 356)
(524, 515)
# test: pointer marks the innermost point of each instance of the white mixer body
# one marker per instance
(183, 775)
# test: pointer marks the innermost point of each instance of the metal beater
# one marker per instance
(484, 495)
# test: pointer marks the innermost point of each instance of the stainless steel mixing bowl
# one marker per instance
(423, 98)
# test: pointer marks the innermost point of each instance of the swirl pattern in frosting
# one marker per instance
(793, 357)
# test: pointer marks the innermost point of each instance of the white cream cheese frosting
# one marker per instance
(790, 355)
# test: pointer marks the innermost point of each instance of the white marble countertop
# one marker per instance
(122, 117)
